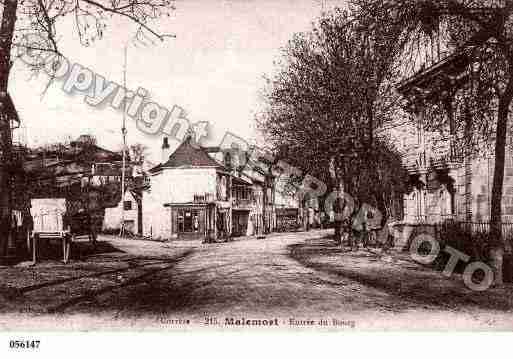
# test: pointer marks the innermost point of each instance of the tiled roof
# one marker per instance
(188, 155)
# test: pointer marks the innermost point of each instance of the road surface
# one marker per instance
(301, 280)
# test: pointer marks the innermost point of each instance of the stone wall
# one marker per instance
(482, 181)
(473, 185)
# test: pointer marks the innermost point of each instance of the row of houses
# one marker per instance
(200, 192)
(194, 193)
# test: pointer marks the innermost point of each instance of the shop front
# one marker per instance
(190, 221)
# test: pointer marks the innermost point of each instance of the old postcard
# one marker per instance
(255, 166)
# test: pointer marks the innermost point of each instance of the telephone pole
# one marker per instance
(123, 134)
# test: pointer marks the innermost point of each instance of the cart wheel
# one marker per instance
(78, 250)
(65, 251)
(28, 243)
(93, 239)
(69, 246)
(34, 248)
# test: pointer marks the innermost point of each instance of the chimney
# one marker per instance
(165, 150)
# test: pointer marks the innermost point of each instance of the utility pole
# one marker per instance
(123, 134)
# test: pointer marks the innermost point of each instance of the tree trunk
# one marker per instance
(497, 244)
(305, 214)
(337, 184)
(338, 208)
(264, 207)
(6, 37)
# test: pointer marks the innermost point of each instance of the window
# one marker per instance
(222, 190)
(245, 193)
(242, 192)
(180, 221)
(228, 160)
(127, 205)
(188, 220)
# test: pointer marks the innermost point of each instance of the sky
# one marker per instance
(213, 69)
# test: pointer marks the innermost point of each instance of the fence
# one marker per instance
(476, 228)
(203, 198)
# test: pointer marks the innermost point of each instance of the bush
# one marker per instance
(475, 244)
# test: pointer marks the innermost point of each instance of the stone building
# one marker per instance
(446, 179)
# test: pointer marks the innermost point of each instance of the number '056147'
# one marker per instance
(24, 344)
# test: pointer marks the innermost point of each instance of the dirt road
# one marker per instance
(300, 279)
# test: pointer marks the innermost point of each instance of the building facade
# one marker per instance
(196, 193)
(447, 178)
(128, 210)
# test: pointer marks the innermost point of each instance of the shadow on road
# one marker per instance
(145, 277)
(407, 281)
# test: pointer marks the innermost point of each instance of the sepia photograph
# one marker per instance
(245, 166)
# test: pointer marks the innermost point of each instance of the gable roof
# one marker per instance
(188, 155)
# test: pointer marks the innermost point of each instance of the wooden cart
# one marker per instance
(51, 223)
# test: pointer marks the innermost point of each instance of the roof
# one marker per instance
(188, 155)
(241, 181)
(212, 149)
(95, 153)
(451, 66)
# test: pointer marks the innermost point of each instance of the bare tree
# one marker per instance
(31, 24)
(331, 94)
